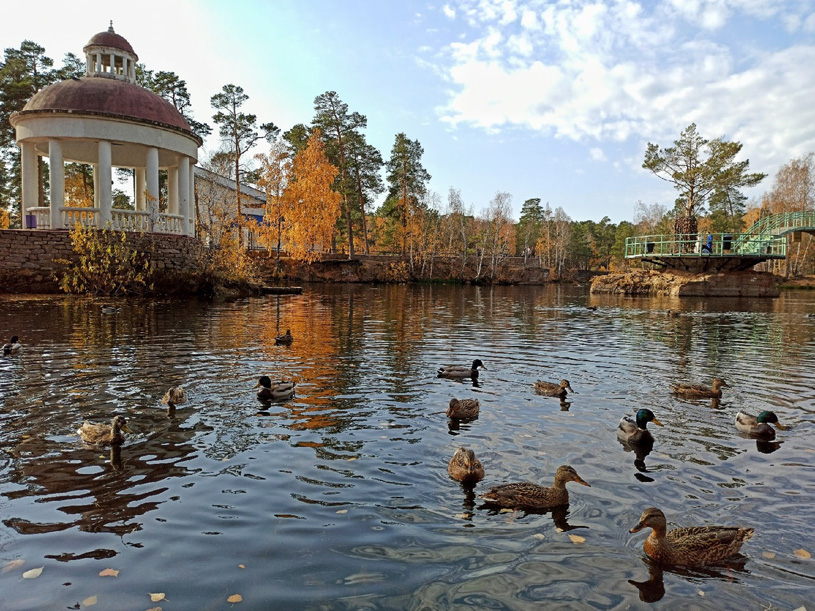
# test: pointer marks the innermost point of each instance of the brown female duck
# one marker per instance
(465, 467)
(691, 546)
(176, 395)
(700, 391)
(104, 434)
(552, 389)
(528, 495)
(463, 409)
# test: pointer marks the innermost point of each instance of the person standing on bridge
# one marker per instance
(709, 245)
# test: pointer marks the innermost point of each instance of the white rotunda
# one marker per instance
(105, 119)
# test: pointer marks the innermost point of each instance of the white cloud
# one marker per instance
(449, 11)
(597, 154)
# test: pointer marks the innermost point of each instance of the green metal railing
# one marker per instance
(777, 225)
(724, 244)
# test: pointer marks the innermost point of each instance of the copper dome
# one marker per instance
(106, 97)
(110, 38)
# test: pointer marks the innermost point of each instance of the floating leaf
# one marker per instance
(352, 458)
(154, 609)
(700, 593)
(342, 511)
(90, 601)
(33, 573)
(506, 510)
(577, 539)
(768, 555)
(157, 596)
(538, 536)
(462, 516)
(235, 598)
(10, 566)
(802, 553)
(109, 573)
(241, 566)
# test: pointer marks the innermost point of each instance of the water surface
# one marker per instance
(339, 498)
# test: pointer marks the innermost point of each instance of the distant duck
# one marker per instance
(699, 391)
(758, 426)
(673, 313)
(636, 430)
(277, 392)
(463, 409)
(552, 389)
(12, 347)
(691, 546)
(109, 309)
(528, 495)
(465, 467)
(461, 372)
(104, 434)
(591, 308)
(284, 340)
(176, 395)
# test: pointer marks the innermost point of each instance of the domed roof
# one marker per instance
(110, 39)
(107, 97)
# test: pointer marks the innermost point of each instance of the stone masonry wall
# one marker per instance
(28, 257)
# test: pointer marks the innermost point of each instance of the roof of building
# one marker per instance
(110, 38)
(107, 97)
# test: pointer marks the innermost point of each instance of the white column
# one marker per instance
(184, 193)
(28, 161)
(172, 190)
(112, 63)
(191, 201)
(140, 189)
(57, 168)
(105, 193)
(98, 62)
(151, 179)
(124, 66)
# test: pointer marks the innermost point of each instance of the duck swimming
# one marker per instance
(104, 434)
(463, 409)
(174, 396)
(690, 546)
(284, 340)
(461, 372)
(528, 495)
(551, 389)
(758, 426)
(636, 430)
(465, 467)
(12, 347)
(277, 392)
(699, 391)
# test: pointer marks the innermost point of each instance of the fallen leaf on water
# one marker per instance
(801, 608)
(577, 539)
(154, 609)
(506, 510)
(109, 573)
(538, 536)
(33, 573)
(342, 511)
(90, 601)
(241, 566)
(701, 593)
(560, 530)
(802, 553)
(768, 555)
(352, 458)
(10, 566)
(157, 596)
(462, 516)
(235, 598)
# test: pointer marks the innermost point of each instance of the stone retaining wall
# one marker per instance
(685, 284)
(28, 258)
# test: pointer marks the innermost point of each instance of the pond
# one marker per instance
(339, 498)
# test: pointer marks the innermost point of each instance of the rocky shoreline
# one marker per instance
(685, 284)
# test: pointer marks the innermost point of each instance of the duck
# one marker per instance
(699, 391)
(279, 392)
(635, 430)
(758, 426)
(104, 434)
(463, 409)
(176, 395)
(552, 389)
(109, 309)
(465, 467)
(284, 340)
(673, 313)
(528, 495)
(460, 372)
(12, 347)
(689, 546)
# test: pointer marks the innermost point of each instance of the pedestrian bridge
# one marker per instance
(765, 239)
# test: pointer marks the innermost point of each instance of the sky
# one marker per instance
(539, 99)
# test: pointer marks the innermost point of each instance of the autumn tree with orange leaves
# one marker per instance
(275, 168)
(309, 206)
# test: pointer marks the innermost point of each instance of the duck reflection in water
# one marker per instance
(767, 447)
(559, 514)
(653, 589)
(564, 405)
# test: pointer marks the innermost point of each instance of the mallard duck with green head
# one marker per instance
(758, 426)
(463, 409)
(13, 346)
(635, 430)
(465, 467)
(553, 389)
(532, 496)
(274, 392)
(689, 546)
(700, 391)
(104, 434)
(284, 340)
(461, 372)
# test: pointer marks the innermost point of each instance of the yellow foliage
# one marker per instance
(5, 220)
(275, 169)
